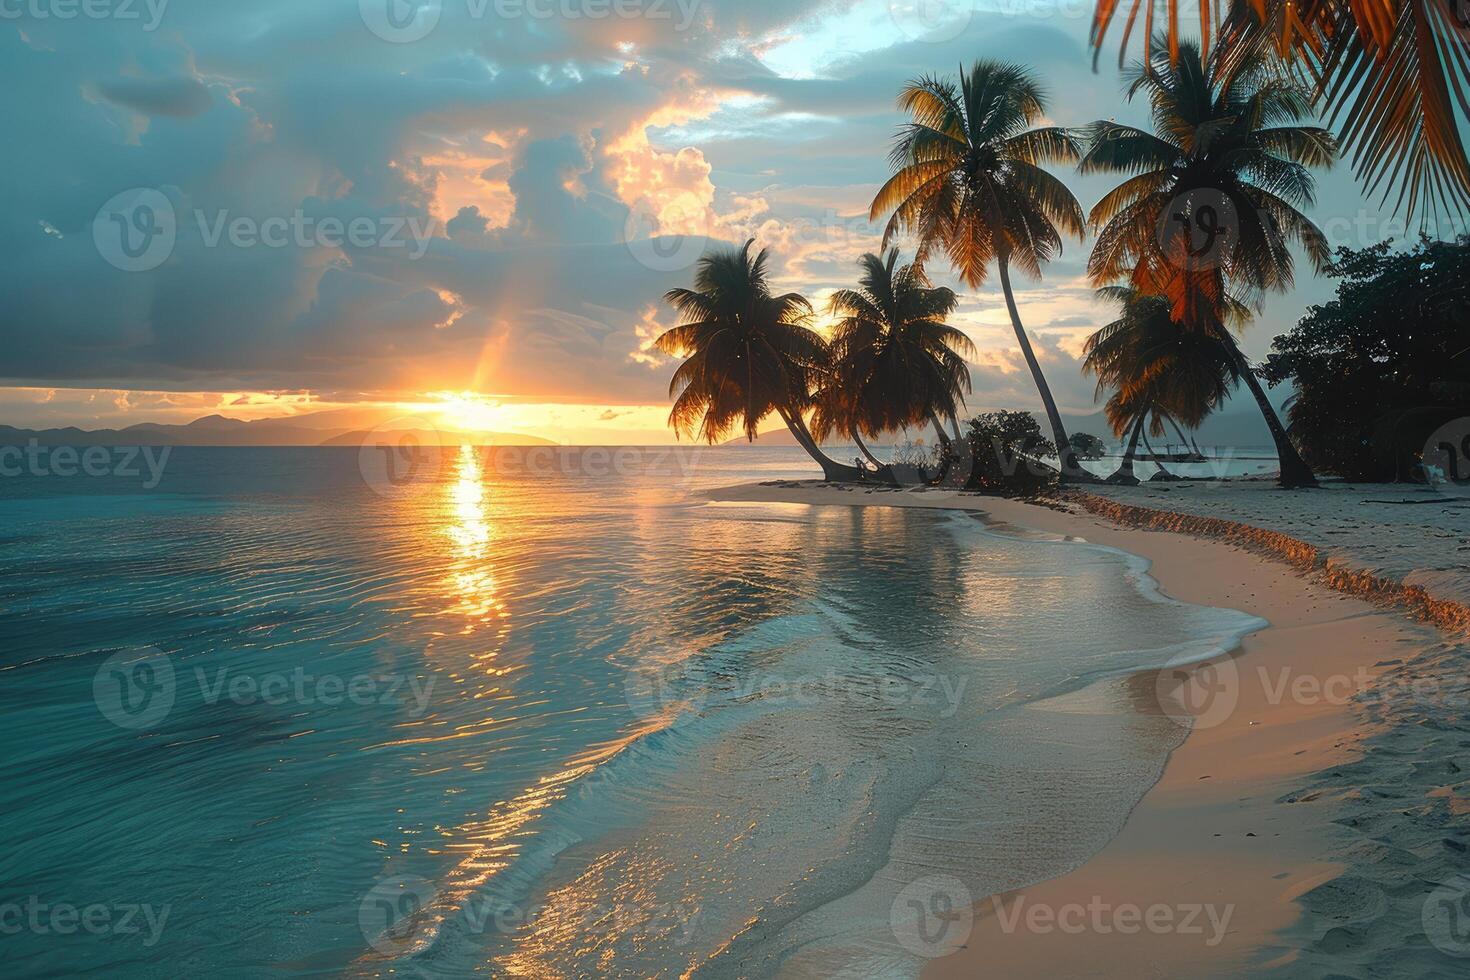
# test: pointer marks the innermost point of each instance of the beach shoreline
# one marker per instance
(1208, 875)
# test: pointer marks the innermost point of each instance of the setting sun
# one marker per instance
(468, 412)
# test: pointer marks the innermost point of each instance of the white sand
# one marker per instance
(1326, 810)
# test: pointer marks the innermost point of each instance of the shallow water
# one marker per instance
(306, 713)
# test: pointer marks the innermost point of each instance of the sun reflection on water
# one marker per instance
(472, 581)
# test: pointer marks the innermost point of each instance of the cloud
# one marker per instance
(549, 166)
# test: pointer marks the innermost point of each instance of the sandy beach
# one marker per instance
(1313, 823)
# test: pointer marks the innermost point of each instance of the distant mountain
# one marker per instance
(303, 430)
(424, 437)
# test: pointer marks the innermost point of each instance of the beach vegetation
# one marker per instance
(1211, 201)
(1007, 451)
(1382, 365)
(894, 362)
(747, 354)
(968, 181)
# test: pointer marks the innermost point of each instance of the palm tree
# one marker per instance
(967, 179)
(746, 354)
(1158, 369)
(1212, 197)
(895, 362)
(1390, 70)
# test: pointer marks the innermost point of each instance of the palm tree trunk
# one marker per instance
(1067, 458)
(865, 450)
(1124, 473)
(939, 430)
(1295, 473)
(1185, 441)
(1155, 454)
(832, 470)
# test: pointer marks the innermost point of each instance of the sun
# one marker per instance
(468, 412)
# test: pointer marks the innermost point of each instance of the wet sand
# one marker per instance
(1239, 858)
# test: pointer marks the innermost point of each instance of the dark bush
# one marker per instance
(1006, 449)
(1382, 365)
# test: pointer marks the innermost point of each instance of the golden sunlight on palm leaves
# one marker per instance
(1230, 142)
(1389, 75)
(1228, 161)
(747, 353)
(1156, 368)
(968, 179)
(895, 362)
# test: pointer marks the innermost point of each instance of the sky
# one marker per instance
(266, 208)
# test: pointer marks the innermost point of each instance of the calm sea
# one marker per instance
(305, 712)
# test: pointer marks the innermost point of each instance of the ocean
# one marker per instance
(554, 713)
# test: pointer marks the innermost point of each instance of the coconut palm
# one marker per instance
(1212, 198)
(1159, 370)
(895, 363)
(1387, 72)
(747, 354)
(968, 180)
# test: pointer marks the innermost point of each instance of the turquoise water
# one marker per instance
(295, 712)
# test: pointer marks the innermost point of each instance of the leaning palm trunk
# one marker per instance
(1157, 457)
(939, 431)
(1065, 456)
(832, 471)
(1295, 473)
(862, 447)
(1124, 473)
